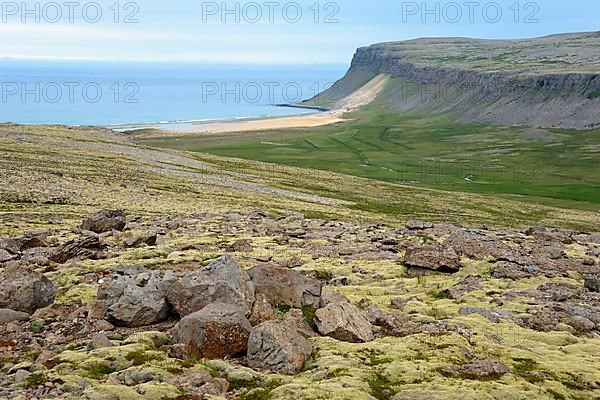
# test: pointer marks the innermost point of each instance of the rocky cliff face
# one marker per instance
(549, 91)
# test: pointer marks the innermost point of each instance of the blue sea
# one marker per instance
(119, 93)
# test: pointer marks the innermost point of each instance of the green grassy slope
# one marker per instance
(549, 166)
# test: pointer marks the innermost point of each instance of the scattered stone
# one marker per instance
(592, 283)
(398, 303)
(217, 331)
(376, 316)
(105, 221)
(22, 375)
(277, 347)
(26, 290)
(87, 246)
(433, 257)
(240, 246)
(147, 238)
(467, 285)
(18, 245)
(344, 322)
(223, 281)
(137, 297)
(581, 324)
(7, 315)
(588, 261)
(414, 225)
(482, 369)
(489, 315)
(100, 340)
(283, 286)
(102, 326)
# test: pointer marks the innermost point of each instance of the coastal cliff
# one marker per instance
(550, 82)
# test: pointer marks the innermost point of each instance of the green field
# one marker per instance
(548, 166)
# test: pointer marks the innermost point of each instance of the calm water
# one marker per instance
(92, 93)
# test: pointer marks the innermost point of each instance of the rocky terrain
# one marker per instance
(498, 82)
(261, 306)
(131, 272)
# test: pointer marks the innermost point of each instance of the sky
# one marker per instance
(266, 32)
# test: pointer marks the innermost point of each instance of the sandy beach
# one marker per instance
(361, 97)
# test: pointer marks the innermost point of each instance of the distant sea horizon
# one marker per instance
(82, 93)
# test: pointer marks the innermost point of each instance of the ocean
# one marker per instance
(119, 93)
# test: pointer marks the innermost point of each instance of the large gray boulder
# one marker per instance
(105, 221)
(344, 322)
(223, 281)
(219, 330)
(137, 297)
(283, 286)
(26, 290)
(278, 347)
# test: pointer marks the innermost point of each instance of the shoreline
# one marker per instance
(319, 117)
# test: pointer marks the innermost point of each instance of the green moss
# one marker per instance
(309, 316)
(142, 357)
(380, 386)
(35, 380)
(36, 326)
(99, 371)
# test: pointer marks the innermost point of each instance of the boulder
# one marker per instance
(262, 310)
(104, 221)
(592, 283)
(18, 245)
(7, 315)
(330, 297)
(137, 297)
(433, 257)
(283, 286)
(83, 247)
(223, 281)
(146, 238)
(276, 346)
(345, 322)
(26, 290)
(219, 330)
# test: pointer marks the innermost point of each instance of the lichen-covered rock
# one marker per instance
(200, 384)
(345, 322)
(276, 346)
(26, 290)
(18, 245)
(137, 297)
(283, 286)
(7, 315)
(219, 330)
(223, 281)
(433, 256)
(105, 221)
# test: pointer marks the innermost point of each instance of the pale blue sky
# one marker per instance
(193, 31)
